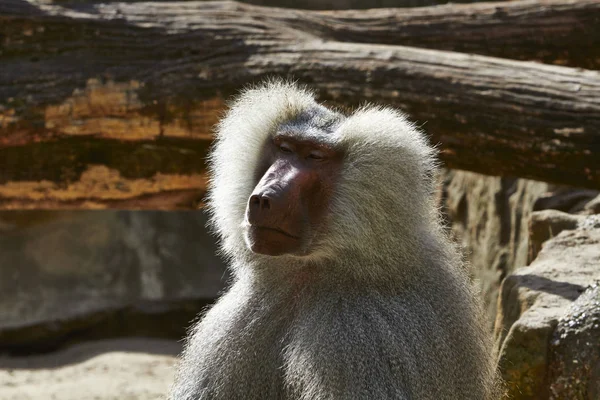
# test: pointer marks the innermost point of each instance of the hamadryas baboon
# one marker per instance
(345, 285)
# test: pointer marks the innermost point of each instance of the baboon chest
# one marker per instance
(249, 356)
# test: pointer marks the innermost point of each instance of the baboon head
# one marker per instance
(291, 177)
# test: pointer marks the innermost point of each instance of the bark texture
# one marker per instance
(134, 88)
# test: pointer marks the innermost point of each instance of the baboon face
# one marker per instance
(295, 184)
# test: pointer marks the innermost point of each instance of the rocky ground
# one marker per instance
(123, 369)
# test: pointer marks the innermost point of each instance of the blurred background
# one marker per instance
(106, 116)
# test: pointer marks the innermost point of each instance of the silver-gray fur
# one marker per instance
(380, 309)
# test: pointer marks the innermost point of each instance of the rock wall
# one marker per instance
(548, 334)
(488, 217)
(574, 365)
(69, 270)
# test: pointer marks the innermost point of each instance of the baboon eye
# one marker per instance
(316, 155)
(285, 148)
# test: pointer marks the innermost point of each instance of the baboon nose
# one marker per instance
(260, 202)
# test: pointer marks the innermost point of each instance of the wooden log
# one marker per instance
(139, 72)
(551, 31)
(92, 172)
(561, 32)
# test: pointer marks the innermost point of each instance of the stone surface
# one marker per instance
(575, 351)
(593, 206)
(534, 298)
(546, 224)
(130, 369)
(64, 270)
(488, 217)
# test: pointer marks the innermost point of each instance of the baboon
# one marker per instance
(345, 285)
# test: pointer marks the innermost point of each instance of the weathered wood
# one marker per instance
(562, 32)
(141, 71)
(91, 172)
(312, 4)
(551, 31)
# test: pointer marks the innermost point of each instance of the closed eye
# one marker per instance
(285, 148)
(316, 155)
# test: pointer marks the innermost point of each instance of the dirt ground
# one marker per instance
(123, 369)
